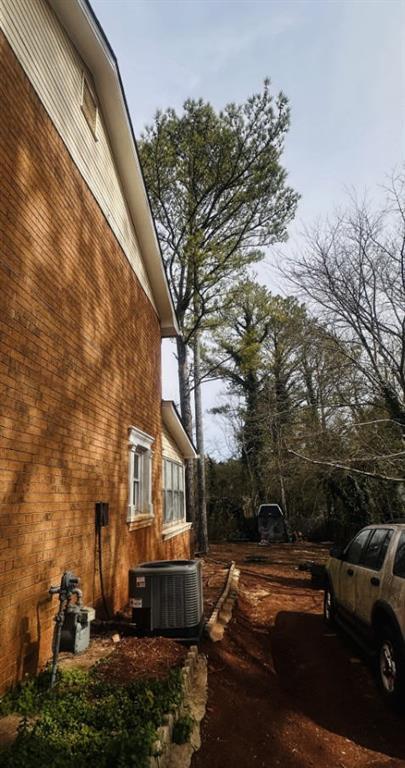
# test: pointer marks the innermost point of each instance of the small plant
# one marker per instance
(85, 720)
(182, 729)
(26, 697)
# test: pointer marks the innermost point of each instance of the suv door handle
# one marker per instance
(374, 581)
(350, 571)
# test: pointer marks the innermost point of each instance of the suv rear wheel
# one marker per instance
(391, 666)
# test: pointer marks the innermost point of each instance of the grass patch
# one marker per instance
(182, 729)
(86, 721)
(25, 698)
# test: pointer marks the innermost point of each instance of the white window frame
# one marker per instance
(140, 443)
(178, 525)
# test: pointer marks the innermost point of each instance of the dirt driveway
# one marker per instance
(285, 691)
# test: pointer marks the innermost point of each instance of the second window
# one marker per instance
(173, 491)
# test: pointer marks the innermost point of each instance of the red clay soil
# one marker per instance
(214, 580)
(141, 658)
(283, 689)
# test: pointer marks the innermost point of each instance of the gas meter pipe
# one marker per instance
(68, 587)
(59, 618)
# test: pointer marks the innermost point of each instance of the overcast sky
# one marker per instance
(341, 64)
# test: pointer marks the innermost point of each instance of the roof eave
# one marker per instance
(82, 27)
(173, 423)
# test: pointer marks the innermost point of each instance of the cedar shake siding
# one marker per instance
(79, 365)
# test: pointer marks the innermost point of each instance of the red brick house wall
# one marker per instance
(79, 364)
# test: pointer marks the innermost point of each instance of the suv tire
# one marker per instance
(391, 666)
(329, 610)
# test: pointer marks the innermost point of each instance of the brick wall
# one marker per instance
(79, 364)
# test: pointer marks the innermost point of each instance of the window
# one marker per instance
(89, 106)
(138, 455)
(173, 492)
(399, 563)
(140, 475)
(374, 554)
(355, 548)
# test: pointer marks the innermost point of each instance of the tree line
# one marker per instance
(316, 380)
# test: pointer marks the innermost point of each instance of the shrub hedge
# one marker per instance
(84, 722)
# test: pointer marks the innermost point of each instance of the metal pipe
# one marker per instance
(59, 623)
(79, 595)
(65, 591)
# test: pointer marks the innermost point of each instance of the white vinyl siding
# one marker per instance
(169, 448)
(89, 106)
(55, 71)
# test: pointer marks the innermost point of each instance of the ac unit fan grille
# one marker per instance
(176, 601)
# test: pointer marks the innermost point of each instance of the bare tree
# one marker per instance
(353, 271)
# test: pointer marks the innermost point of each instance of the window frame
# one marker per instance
(398, 546)
(367, 531)
(140, 504)
(387, 538)
(178, 500)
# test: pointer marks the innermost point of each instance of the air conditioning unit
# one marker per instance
(166, 597)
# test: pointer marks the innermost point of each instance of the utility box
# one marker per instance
(75, 636)
(166, 598)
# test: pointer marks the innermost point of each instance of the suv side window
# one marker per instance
(399, 562)
(354, 550)
(374, 554)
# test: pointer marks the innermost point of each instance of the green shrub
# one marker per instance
(26, 697)
(85, 721)
(182, 729)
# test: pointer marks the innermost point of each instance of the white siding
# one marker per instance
(170, 449)
(55, 71)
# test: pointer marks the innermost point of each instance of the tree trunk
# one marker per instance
(281, 419)
(395, 408)
(201, 505)
(187, 416)
(253, 440)
(282, 489)
(276, 435)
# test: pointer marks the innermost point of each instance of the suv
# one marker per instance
(365, 593)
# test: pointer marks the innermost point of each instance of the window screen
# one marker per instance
(137, 481)
(173, 491)
(399, 563)
(139, 475)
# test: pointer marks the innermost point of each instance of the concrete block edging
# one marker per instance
(222, 612)
(194, 685)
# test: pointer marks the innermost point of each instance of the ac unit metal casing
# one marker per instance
(166, 597)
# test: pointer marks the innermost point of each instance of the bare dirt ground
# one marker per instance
(284, 690)
(214, 580)
(141, 658)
